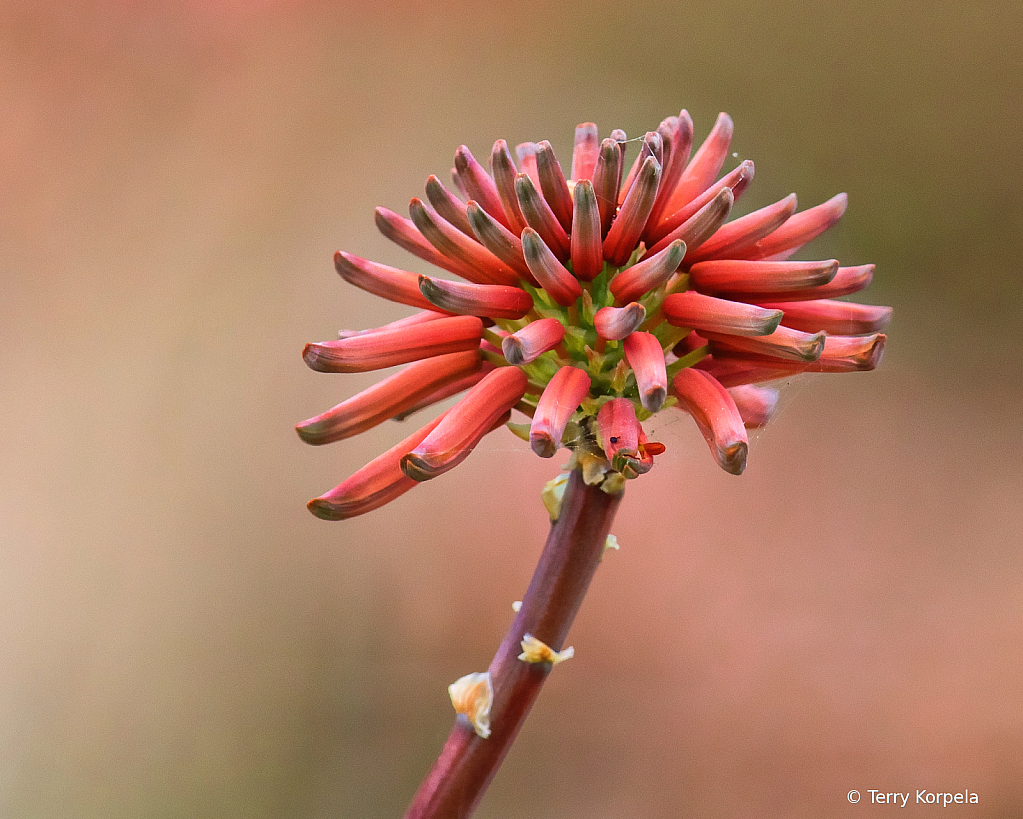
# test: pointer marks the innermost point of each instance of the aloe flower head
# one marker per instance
(588, 298)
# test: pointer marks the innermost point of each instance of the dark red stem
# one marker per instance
(570, 558)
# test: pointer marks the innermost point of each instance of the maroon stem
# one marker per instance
(570, 558)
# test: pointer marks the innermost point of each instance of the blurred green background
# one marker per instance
(179, 637)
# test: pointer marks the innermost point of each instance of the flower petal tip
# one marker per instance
(733, 458)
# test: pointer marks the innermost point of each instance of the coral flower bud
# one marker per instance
(833, 317)
(526, 152)
(473, 696)
(847, 280)
(733, 372)
(586, 250)
(533, 340)
(844, 354)
(561, 397)
(381, 280)
(552, 275)
(541, 218)
(454, 244)
(387, 398)
(784, 343)
(584, 151)
(653, 271)
(652, 147)
(615, 323)
(536, 651)
(739, 277)
(465, 424)
(699, 227)
(454, 388)
(503, 167)
(496, 238)
(449, 206)
(553, 184)
(756, 405)
(646, 358)
(677, 135)
(736, 181)
(699, 312)
(468, 299)
(738, 237)
(605, 182)
(800, 229)
(422, 317)
(628, 224)
(478, 185)
(404, 233)
(377, 483)
(705, 165)
(716, 415)
(388, 348)
(619, 431)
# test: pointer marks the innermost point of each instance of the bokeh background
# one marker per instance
(180, 638)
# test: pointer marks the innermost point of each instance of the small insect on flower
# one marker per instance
(590, 302)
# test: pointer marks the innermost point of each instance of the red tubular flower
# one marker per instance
(573, 289)
(716, 415)
(784, 343)
(552, 275)
(645, 356)
(648, 274)
(456, 245)
(699, 227)
(468, 299)
(741, 235)
(465, 424)
(705, 164)
(619, 431)
(503, 166)
(584, 151)
(833, 317)
(478, 185)
(587, 255)
(616, 323)
(736, 182)
(541, 218)
(800, 229)
(651, 147)
(606, 176)
(533, 340)
(756, 405)
(387, 398)
(496, 238)
(388, 348)
(449, 206)
(378, 482)
(628, 225)
(677, 143)
(731, 277)
(699, 312)
(553, 184)
(561, 397)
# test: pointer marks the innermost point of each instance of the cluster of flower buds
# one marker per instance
(589, 301)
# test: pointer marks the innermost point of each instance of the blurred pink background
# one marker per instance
(180, 637)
